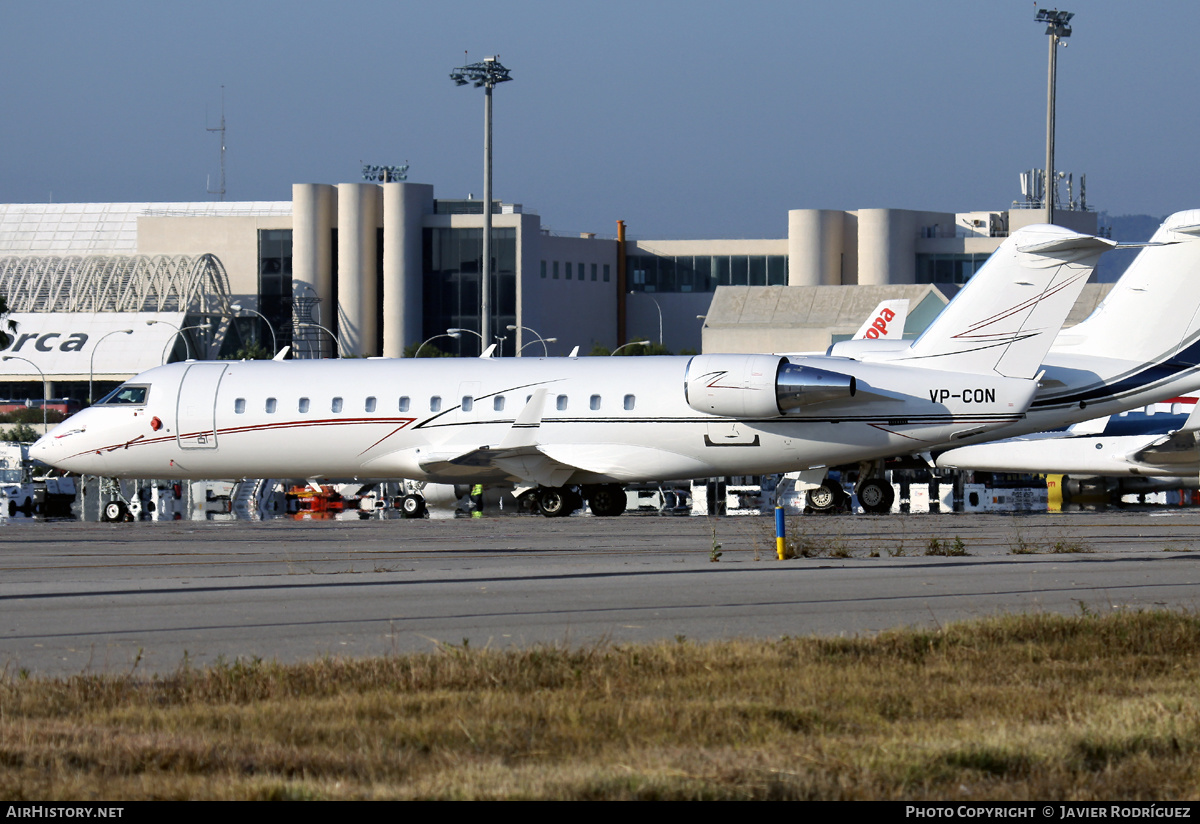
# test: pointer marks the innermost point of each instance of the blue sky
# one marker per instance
(686, 119)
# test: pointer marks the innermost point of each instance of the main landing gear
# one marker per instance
(876, 495)
(605, 500)
(828, 497)
(411, 506)
(116, 512)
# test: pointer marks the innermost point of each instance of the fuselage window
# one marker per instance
(270, 406)
(630, 403)
(498, 403)
(303, 405)
(560, 403)
(404, 403)
(595, 402)
(125, 394)
(468, 403)
(370, 405)
(239, 405)
(336, 406)
(435, 403)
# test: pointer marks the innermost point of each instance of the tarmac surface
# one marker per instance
(148, 597)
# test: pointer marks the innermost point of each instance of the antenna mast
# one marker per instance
(220, 192)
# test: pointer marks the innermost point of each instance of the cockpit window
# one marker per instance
(126, 394)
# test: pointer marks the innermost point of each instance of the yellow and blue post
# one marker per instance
(779, 533)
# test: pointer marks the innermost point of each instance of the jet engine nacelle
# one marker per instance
(759, 386)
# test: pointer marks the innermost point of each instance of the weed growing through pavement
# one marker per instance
(1063, 545)
(1066, 545)
(715, 554)
(946, 548)
(1020, 546)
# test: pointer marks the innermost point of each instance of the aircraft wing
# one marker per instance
(554, 464)
(1183, 439)
(522, 456)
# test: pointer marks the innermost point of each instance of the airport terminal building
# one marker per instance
(101, 291)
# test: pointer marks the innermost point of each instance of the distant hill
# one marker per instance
(1124, 229)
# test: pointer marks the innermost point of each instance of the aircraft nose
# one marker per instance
(39, 450)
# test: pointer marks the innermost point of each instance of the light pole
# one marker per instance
(237, 307)
(1058, 27)
(486, 75)
(92, 359)
(336, 350)
(545, 350)
(435, 337)
(45, 389)
(170, 344)
(543, 342)
(454, 333)
(659, 308)
(631, 343)
(178, 333)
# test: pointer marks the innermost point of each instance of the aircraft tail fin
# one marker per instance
(1008, 315)
(886, 322)
(1153, 311)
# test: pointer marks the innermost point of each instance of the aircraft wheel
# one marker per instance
(824, 498)
(555, 501)
(12, 508)
(608, 500)
(114, 511)
(877, 496)
(413, 506)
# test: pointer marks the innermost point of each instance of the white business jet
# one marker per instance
(1134, 446)
(575, 428)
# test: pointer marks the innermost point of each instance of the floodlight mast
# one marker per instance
(485, 74)
(385, 174)
(1058, 27)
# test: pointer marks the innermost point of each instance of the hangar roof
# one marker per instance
(90, 228)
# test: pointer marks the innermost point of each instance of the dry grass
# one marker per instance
(1022, 707)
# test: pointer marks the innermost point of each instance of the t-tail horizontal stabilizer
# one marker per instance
(1007, 316)
(1152, 314)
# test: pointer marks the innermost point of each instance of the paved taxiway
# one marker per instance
(98, 597)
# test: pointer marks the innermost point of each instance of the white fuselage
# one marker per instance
(454, 420)
(1090, 456)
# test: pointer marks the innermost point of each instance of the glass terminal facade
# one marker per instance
(452, 263)
(703, 273)
(275, 284)
(949, 268)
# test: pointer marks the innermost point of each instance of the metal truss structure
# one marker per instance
(115, 283)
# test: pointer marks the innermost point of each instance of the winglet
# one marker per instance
(525, 428)
(282, 353)
(1192, 424)
(487, 353)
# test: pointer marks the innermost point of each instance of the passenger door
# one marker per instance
(196, 413)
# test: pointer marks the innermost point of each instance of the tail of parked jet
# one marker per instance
(1153, 311)
(1007, 316)
(886, 322)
